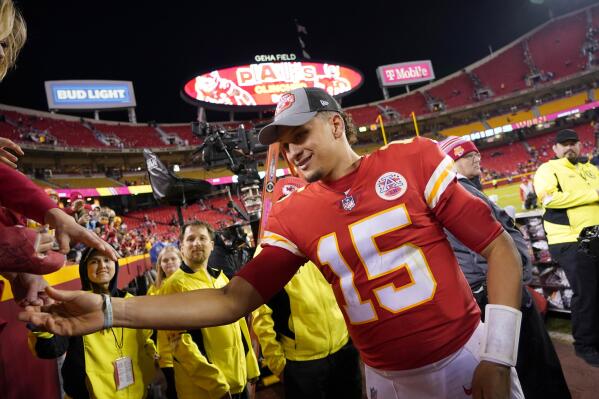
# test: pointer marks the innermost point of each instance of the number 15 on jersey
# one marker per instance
(377, 263)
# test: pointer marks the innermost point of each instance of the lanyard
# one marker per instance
(118, 345)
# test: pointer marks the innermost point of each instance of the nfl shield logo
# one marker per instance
(348, 203)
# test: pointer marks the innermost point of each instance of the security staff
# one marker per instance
(569, 190)
(214, 362)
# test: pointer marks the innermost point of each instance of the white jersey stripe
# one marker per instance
(438, 182)
(276, 240)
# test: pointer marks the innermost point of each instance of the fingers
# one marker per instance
(92, 240)
(44, 244)
(52, 326)
(8, 163)
(42, 321)
(32, 309)
(67, 229)
(32, 296)
(58, 296)
(4, 142)
(8, 155)
(46, 300)
(88, 238)
(63, 240)
(33, 315)
(9, 158)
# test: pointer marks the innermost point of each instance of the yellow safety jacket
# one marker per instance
(164, 349)
(88, 369)
(569, 195)
(302, 322)
(211, 361)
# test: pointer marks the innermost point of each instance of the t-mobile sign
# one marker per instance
(405, 73)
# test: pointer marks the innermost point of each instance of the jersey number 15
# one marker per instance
(377, 263)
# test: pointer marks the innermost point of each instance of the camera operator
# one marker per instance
(569, 189)
(231, 250)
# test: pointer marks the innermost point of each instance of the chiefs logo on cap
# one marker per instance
(458, 151)
(285, 102)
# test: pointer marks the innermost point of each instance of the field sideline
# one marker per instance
(508, 194)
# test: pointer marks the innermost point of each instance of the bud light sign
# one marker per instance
(89, 94)
(405, 73)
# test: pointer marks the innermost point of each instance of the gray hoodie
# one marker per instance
(472, 264)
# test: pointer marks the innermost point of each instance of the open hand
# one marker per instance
(75, 313)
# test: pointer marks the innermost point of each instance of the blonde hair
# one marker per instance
(13, 32)
(160, 275)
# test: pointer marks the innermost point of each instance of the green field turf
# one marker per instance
(508, 194)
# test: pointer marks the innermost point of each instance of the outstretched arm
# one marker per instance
(209, 307)
(80, 312)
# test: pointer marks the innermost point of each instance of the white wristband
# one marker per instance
(501, 335)
(107, 309)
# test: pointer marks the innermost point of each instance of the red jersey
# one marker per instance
(377, 236)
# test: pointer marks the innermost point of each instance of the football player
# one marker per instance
(374, 227)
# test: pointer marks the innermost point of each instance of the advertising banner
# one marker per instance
(405, 73)
(89, 94)
(261, 85)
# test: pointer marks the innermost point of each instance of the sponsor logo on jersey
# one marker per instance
(285, 102)
(390, 186)
(458, 151)
(373, 393)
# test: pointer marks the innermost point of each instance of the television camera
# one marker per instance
(237, 149)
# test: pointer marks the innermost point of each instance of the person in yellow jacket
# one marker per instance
(111, 363)
(213, 362)
(569, 189)
(303, 336)
(168, 262)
